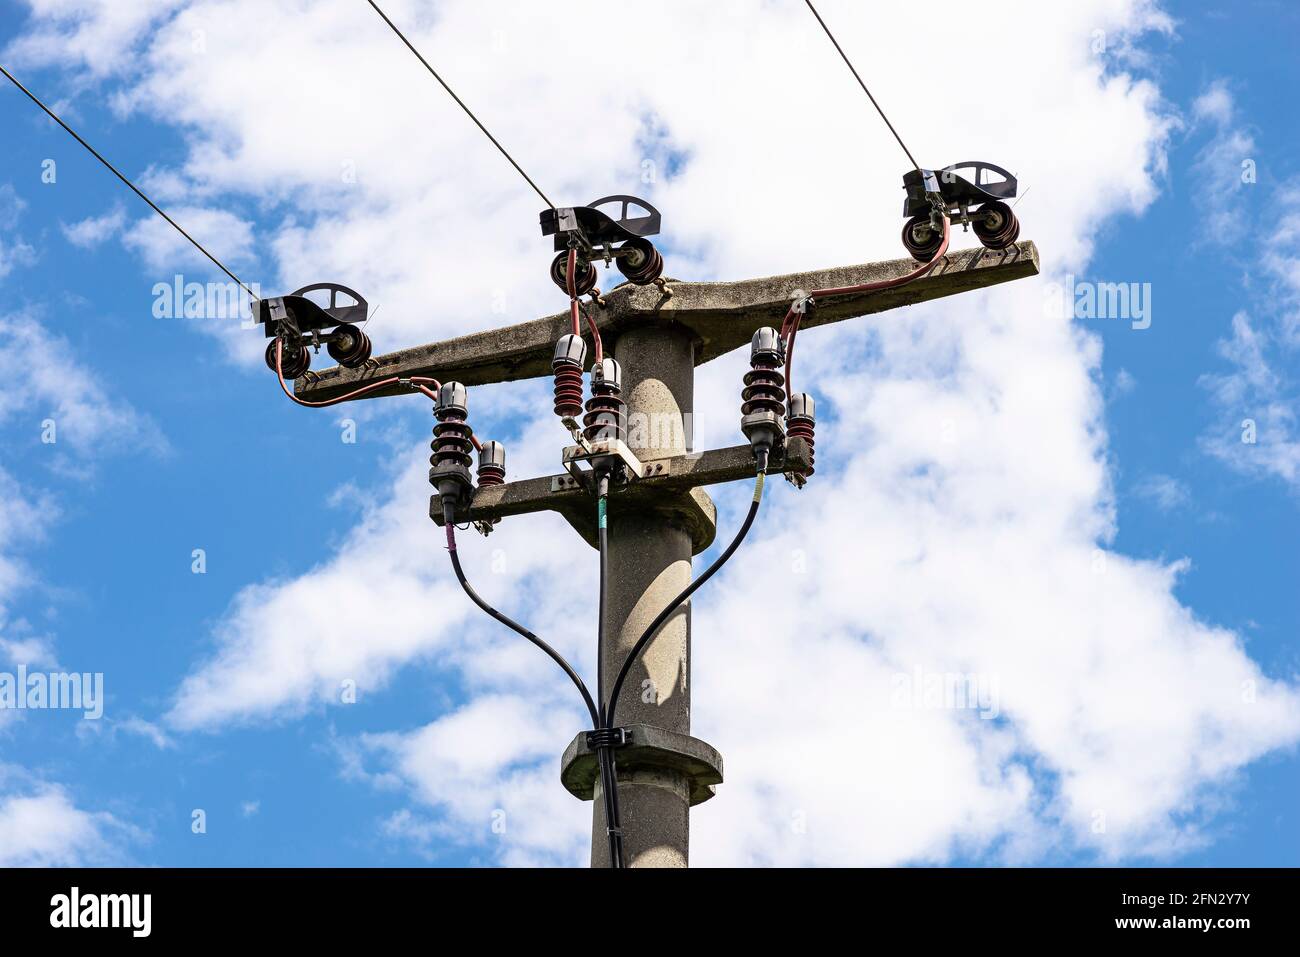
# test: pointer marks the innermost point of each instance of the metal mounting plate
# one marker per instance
(594, 452)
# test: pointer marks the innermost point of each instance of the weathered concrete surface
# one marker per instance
(650, 562)
(721, 316)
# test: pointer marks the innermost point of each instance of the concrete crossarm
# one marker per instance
(721, 315)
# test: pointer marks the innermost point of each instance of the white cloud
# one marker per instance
(13, 250)
(475, 766)
(94, 230)
(164, 250)
(45, 380)
(32, 651)
(41, 826)
(1215, 103)
(287, 647)
(91, 33)
(1256, 401)
(961, 520)
(133, 725)
(1220, 192)
(1256, 431)
(1165, 491)
(24, 518)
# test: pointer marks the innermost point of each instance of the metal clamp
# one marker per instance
(604, 453)
(646, 748)
(608, 738)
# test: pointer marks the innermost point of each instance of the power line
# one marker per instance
(461, 103)
(849, 64)
(135, 189)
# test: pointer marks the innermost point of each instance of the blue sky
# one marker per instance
(222, 686)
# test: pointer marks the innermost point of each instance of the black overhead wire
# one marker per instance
(602, 714)
(135, 189)
(849, 64)
(459, 102)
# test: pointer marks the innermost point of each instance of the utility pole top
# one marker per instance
(654, 515)
(721, 316)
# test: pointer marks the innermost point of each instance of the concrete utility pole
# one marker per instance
(657, 522)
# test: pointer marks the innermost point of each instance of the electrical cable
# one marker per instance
(790, 325)
(571, 287)
(460, 103)
(130, 185)
(449, 522)
(853, 70)
(420, 382)
(604, 752)
(672, 606)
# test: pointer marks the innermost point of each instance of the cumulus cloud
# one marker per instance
(963, 518)
(13, 250)
(1215, 103)
(163, 249)
(42, 826)
(94, 230)
(1256, 401)
(473, 767)
(1256, 430)
(1164, 491)
(91, 33)
(46, 387)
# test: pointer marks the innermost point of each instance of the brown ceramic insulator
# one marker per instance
(568, 390)
(764, 390)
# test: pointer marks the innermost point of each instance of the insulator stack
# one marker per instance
(491, 464)
(801, 423)
(606, 417)
(452, 443)
(762, 410)
(764, 384)
(570, 357)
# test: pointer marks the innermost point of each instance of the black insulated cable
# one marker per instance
(448, 519)
(677, 602)
(605, 753)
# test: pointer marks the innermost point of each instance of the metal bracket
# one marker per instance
(604, 453)
(608, 737)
